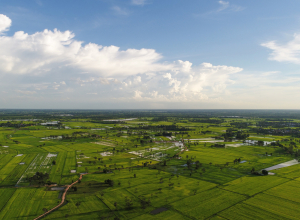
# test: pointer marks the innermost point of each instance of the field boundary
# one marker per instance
(62, 201)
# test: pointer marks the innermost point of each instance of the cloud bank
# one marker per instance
(53, 64)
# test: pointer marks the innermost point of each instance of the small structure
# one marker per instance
(22, 163)
(50, 123)
(73, 171)
(57, 188)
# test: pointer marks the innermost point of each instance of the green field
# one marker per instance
(150, 168)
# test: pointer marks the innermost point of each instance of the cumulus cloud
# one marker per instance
(105, 71)
(200, 83)
(288, 52)
(24, 54)
(5, 23)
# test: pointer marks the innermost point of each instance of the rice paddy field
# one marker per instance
(174, 168)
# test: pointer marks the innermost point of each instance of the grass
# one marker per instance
(220, 190)
(250, 185)
(207, 203)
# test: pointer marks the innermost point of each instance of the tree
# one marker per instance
(53, 162)
(265, 172)
(128, 203)
(161, 180)
(45, 210)
(116, 204)
(109, 182)
(144, 202)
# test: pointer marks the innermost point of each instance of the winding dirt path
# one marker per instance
(81, 175)
(63, 198)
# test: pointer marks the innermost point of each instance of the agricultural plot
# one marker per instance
(5, 195)
(42, 162)
(91, 207)
(169, 215)
(289, 191)
(250, 185)
(207, 203)
(244, 211)
(136, 172)
(291, 172)
(159, 152)
(14, 175)
(57, 170)
(284, 209)
(28, 203)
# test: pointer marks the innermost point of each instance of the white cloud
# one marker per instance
(5, 23)
(224, 5)
(89, 69)
(288, 52)
(119, 10)
(201, 83)
(227, 6)
(27, 92)
(138, 2)
(42, 51)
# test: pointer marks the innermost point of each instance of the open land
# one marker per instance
(149, 165)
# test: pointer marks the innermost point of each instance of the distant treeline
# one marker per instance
(162, 127)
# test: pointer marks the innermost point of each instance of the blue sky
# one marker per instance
(149, 54)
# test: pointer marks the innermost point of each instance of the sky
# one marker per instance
(150, 54)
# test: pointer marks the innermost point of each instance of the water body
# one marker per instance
(253, 142)
(126, 119)
(234, 145)
(52, 138)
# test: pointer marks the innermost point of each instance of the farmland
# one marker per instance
(172, 165)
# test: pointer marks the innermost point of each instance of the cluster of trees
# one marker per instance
(208, 120)
(144, 202)
(16, 125)
(109, 182)
(294, 132)
(263, 172)
(231, 134)
(240, 125)
(39, 178)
